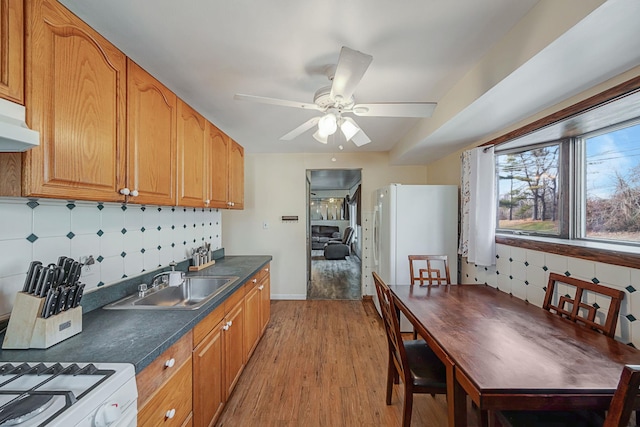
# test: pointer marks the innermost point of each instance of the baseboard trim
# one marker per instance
(289, 296)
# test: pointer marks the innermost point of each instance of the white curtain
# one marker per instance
(477, 238)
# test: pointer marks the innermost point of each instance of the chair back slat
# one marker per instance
(577, 310)
(622, 403)
(392, 328)
(436, 273)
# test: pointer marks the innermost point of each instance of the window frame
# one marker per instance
(600, 252)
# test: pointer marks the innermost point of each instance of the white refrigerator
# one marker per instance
(413, 220)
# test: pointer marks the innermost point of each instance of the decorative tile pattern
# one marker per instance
(124, 240)
(527, 279)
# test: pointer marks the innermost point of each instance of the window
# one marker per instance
(528, 190)
(586, 187)
(611, 184)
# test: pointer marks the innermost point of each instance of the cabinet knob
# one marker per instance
(171, 413)
(135, 193)
(206, 202)
(230, 322)
(225, 327)
(255, 280)
(233, 204)
(266, 269)
(261, 287)
(125, 191)
(169, 363)
(229, 204)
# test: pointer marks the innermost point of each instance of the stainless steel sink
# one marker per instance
(191, 295)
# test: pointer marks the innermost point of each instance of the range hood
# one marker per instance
(15, 136)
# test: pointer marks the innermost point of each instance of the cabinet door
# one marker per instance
(236, 175)
(265, 301)
(252, 319)
(151, 138)
(191, 157)
(234, 344)
(77, 100)
(12, 52)
(209, 391)
(218, 166)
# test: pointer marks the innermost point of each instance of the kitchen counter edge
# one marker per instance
(138, 336)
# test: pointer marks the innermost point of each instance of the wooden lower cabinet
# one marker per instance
(218, 358)
(257, 305)
(252, 326)
(209, 392)
(234, 345)
(164, 387)
(265, 299)
(189, 384)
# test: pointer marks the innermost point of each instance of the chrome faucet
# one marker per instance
(160, 280)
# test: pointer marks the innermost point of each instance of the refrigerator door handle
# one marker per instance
(376, 235)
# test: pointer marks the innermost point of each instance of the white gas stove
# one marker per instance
(68, 394)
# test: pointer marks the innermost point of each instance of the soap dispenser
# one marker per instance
(176, 278)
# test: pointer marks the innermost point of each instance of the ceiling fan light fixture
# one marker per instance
(349, 129)
(320, 137)
(328, 124)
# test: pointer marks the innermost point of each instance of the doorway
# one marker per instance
(334, 266)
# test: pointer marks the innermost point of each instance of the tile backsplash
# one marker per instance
(524, 274)
(124, 239)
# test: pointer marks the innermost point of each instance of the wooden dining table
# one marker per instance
(507, 354)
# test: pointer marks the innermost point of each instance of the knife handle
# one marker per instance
(30, 273)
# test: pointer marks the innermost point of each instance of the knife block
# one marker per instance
(27, 329)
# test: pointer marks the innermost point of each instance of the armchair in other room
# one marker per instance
(339, 249)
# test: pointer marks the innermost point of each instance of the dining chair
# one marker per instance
(618, 414)
(577, 310)
(436, 273)
(412, 362)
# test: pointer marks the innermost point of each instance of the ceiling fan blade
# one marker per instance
(394, 109)
(349, 71)
(274, 101)
(300, 129)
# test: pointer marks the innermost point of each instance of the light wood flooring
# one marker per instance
(323, 363)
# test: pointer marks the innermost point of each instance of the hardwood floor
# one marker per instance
(323, 363)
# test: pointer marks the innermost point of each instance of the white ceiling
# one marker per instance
(208, 50)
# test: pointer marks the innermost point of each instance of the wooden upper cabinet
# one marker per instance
(76, 99)
(151, 139)
(218, 146)
(12, 50)
(192, 186)
(236, 175)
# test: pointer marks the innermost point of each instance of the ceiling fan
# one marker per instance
(337, 99)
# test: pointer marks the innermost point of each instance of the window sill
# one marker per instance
(625, 256)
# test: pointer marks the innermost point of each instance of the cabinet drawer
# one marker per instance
(233, 300)
(171, 404)
(252, 283)
(206, 325)
(154, 375)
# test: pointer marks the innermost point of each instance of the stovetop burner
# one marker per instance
(24, 408)
(28, 391)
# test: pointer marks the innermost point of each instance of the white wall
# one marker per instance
(275, 185)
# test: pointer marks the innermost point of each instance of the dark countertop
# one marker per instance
(137, 336)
